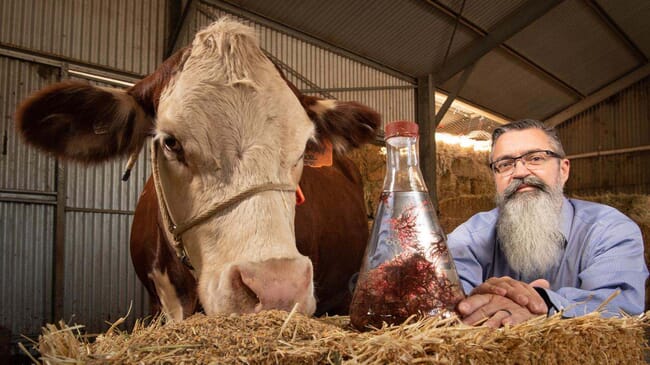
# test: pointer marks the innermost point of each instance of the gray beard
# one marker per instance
(528, 226)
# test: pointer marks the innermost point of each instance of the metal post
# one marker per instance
(59, 243)
(426, 108)
(58, 255)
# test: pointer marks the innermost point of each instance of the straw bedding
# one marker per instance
(289, 338)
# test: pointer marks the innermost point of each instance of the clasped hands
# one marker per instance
(503, 301)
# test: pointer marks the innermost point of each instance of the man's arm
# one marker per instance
(472, 247)
(614, 261)
(612, 265)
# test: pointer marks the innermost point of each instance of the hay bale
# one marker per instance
(458, 171)
(279, 337)
(456, 210)
(635, 206)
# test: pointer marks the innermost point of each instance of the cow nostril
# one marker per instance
(245, 295)
(271, 284)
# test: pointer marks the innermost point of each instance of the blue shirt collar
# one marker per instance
(566, 218)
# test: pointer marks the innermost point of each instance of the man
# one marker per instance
(539, 252)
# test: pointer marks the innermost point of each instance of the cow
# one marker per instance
(216, 227)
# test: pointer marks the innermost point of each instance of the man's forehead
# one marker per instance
(518, 142)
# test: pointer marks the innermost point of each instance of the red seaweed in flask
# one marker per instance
(407, 268)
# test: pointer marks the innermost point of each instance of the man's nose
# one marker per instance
(520, 170)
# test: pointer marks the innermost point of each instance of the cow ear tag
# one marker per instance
(300, 197)
(319, 159)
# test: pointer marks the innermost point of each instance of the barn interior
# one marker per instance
(459, 68)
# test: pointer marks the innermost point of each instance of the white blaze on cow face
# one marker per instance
(169, 300)
(227, 122)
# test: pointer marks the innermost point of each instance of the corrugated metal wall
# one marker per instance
(618, 123)
(23, 168)
(316, 70)
(26, 228)
(121, 34)
(98, 283)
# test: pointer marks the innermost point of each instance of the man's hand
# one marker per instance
(519, 292)
(497, 309)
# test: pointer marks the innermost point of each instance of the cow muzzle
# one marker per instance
(251, 287)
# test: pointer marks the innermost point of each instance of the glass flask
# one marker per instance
(407, 268)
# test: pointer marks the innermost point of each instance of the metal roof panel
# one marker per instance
(409, 36)
(485, 14)
(574, 44)
(632, 16)
(502, 83)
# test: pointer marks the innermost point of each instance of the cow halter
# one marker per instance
(177, 230)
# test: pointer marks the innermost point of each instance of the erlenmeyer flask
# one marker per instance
(407, 268)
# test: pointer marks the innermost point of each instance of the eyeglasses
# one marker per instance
(533, 160)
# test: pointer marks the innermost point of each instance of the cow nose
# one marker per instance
(276, 284)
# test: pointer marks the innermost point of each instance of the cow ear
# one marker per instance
(346, 124)
(78, 121)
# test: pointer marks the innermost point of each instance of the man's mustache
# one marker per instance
(528, 180)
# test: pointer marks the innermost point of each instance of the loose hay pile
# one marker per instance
(280, 337)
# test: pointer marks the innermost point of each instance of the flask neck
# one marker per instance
(402, 165)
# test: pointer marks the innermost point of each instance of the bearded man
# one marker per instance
(539, 252)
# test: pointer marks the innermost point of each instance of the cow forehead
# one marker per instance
(227, 84)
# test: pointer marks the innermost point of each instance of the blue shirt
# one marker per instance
(603, 253)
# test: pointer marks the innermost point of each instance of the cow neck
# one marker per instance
(176, 230)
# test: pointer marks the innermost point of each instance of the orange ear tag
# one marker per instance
(300, 197)
(319, 159)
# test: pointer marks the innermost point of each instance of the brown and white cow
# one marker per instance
(229, 136)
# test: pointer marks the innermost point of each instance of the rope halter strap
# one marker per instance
(177, 229)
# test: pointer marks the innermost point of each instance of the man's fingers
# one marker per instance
(488, 288)
(497, 318)
(477, 308)
(519, 292)
(492, 310)
(477, 317)
(472, 303)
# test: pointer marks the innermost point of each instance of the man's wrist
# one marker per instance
(549, 304)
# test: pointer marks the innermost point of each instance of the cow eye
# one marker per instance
(171, 144)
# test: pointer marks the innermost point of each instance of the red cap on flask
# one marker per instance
(402, 128)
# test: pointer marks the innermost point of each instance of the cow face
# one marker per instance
(224, 122)
(227, 122)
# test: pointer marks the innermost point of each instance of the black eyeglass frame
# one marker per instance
(520, 157)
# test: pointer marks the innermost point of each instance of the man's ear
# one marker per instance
(78, 121)
(565, 167)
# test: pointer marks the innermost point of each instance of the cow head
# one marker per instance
(223, 121)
